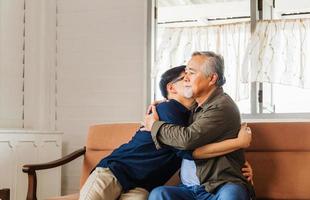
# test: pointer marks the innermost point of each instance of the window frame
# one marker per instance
(259, 9)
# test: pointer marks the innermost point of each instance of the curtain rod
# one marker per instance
(208, 19)
(300, 13)
(228, 18)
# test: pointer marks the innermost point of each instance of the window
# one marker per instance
(286, 99)
(184, 28)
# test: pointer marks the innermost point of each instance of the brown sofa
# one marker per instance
(279, 155)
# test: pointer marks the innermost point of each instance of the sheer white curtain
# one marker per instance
(175, 46)
(278, 53)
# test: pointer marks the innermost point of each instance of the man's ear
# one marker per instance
(214, 78)
(170, 88)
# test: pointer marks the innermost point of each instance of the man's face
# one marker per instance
(179, 85)
(195, 81)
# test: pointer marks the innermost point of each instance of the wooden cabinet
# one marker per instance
(19, 147)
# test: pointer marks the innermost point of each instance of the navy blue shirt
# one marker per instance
(139, 164)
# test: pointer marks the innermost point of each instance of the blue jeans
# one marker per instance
(229, 191)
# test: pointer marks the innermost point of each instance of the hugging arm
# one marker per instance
(169, 114)
(227, 146)
(212, 126)
(224, 147)
(219, 148)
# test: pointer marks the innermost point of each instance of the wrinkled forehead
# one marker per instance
(196, 63)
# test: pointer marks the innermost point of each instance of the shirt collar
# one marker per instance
(214, 94)
(179, 105)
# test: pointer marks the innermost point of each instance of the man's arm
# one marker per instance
(214, 124)
(227, 146)
(169, 113)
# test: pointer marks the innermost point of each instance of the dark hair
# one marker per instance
(168, 76)
(214, 64)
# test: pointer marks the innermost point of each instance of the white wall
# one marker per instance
(40, 53)
(27, 63)
(101, 66)
(11, 63)
(73, 63)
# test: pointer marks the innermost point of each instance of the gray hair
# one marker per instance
(214, 64)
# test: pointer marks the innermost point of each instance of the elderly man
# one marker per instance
(215, 118)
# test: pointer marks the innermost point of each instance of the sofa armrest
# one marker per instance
(31, 170)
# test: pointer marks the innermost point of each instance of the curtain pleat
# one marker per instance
(277, 53)
(230, 40)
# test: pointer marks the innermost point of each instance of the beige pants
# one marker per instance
(103, 185)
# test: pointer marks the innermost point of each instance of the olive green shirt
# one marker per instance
(217, 119)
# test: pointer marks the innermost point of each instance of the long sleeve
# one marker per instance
(173, 113)
(212, 123)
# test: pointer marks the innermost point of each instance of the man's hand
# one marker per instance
(149, 120)
(244, 136)
(247, 171)
(155, 103)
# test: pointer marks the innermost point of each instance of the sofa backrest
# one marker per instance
(280, 157)
(102, 140)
